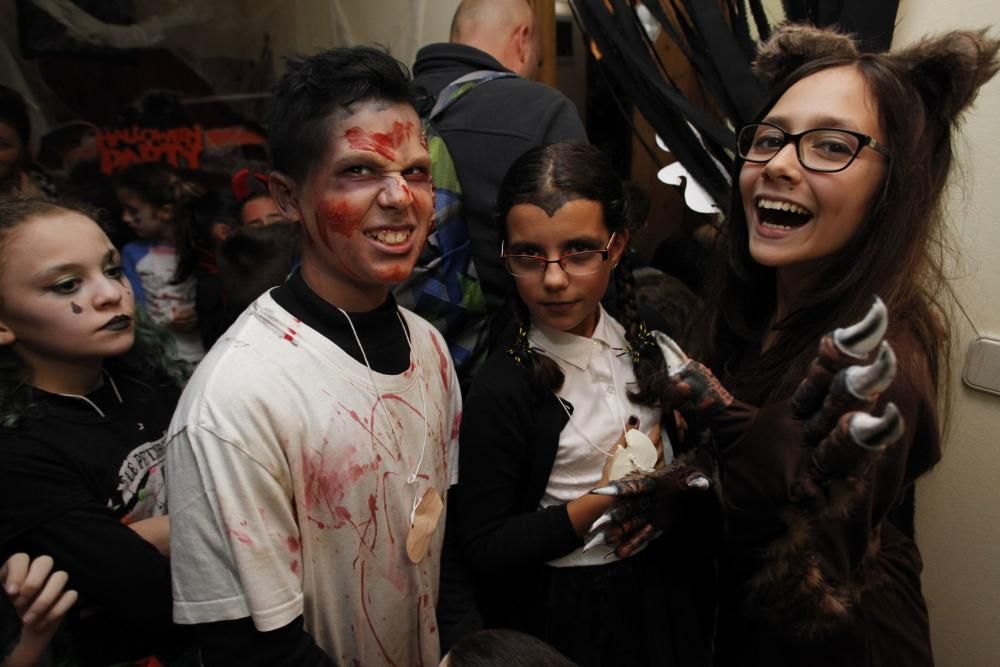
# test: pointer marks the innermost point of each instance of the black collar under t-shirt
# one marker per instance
(380, 330)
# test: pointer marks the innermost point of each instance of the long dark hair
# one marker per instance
(548, 177)
(146, 361)
(899, 250)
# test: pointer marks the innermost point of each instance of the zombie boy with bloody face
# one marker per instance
(312, 451)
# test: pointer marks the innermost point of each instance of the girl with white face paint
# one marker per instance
(84, 404)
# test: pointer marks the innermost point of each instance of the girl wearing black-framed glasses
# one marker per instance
(542, 424)
(825, 149)
(815, 430)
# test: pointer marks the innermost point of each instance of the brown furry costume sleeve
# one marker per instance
(811, 557)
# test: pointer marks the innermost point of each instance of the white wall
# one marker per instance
(402, 25)
(958, 504)
(305, 26)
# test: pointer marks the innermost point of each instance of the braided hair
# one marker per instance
(548, 177)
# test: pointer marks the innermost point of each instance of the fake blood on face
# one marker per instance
(338, 217)
(385, 144)
(395, 274)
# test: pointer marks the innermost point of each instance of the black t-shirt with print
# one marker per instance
(73, 472)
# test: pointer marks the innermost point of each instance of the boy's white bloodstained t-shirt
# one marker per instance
(312, 512)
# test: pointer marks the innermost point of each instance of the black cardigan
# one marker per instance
(509, 437)
(510, 434)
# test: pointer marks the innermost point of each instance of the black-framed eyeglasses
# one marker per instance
(826, 149)
(575, 263)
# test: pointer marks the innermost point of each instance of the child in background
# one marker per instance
(15, 134)
(261, 251)
(156, 203)
(255, 205)
(18, 174)
(85, 401)
(541, 425)
(203, 224)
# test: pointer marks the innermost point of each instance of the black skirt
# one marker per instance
(644, 610)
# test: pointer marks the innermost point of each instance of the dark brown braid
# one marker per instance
(548, 177)
(647, 360)
(542, 370)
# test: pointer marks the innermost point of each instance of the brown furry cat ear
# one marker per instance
(792, 45)
(949, 69)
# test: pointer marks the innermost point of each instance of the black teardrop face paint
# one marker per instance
(76, 309)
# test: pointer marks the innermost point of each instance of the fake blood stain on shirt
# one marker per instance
(330, 486)
(442, 363)
(241, 536)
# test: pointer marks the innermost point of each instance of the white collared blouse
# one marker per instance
(598, 376)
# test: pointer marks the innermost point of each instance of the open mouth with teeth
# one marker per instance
(390, 236)
(782, 214)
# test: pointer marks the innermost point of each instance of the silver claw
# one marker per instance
(609, 490)
(672, 353)
(595, 539)
(876, 433)
(865, 382)
(861, 338)
(601, 520)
